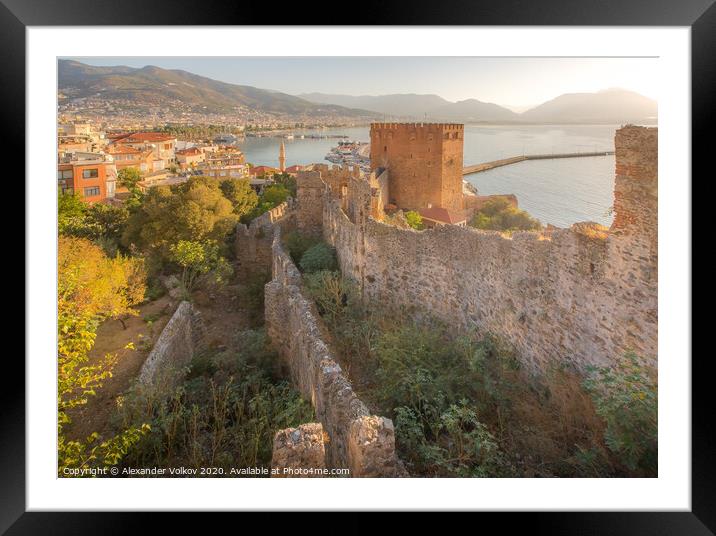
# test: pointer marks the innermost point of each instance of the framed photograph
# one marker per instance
(417, 263)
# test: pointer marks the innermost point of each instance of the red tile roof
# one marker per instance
(189, 151)
(293, 169)
(262, 170)
(122, 149)
(142, 137)
(443, 215)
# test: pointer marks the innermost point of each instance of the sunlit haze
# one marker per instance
(516, 83)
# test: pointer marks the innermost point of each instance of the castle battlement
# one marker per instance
(414, 126)
(424, 161)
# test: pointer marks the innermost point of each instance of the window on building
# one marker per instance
(91, 191)
(64, 174)
(90, 173)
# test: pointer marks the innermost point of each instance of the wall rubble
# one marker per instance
(299, 448)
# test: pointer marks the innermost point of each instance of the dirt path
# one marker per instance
(223, 317)
(141, 334)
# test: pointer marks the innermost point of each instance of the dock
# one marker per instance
(477, 168)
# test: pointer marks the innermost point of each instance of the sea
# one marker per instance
(558, 192)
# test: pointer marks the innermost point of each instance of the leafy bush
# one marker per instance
(625, 395)
(500, 215)
(414, 219)
(319, 257)
(452, 442)
(297, 244)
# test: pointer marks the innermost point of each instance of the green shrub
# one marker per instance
(499, 214)
(297, 244)
(319, 257)
(224, 413)
(252, 296)
(625, 396)
(331, 292)
(414, 219)
(451, 442)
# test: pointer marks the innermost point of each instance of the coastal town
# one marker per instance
(89, 160)
(370, 314)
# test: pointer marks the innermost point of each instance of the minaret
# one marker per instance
(282, 158)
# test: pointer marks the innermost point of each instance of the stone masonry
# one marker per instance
(363, 443)
(180, 339)
(583, 295)
(299, 448)
(424, 161)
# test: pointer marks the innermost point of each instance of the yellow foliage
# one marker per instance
(90, 287)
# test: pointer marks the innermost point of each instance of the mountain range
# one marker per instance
(162, 87)
(155, 86)
(607, 106)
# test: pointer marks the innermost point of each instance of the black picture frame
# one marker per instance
(699, 15)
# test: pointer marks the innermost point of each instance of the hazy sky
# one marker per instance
(514, 82)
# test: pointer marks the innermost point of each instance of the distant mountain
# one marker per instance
(155, 86)
(472, 111)
(607, 106)
(398, 105)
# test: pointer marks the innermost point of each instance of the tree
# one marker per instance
(287, 181)
(194, 211)
(275, 194)
(242, 196)
(70, 213)
(91, 287)
(128, 178)
(498, 214)
(414, 219)
(195, 258)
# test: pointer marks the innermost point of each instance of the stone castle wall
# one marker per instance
(253, 242)
(425, 162)
(582, 295)
(180, 339)
(363, 443)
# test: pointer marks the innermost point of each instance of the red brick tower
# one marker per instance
(424, 162)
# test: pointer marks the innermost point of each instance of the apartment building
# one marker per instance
(91, 175)
(162, 146)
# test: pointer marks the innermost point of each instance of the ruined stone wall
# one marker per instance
(180, 339)
(581, 295)
(425, 162)
(363, 443)
(380, 192)
(253, 242)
